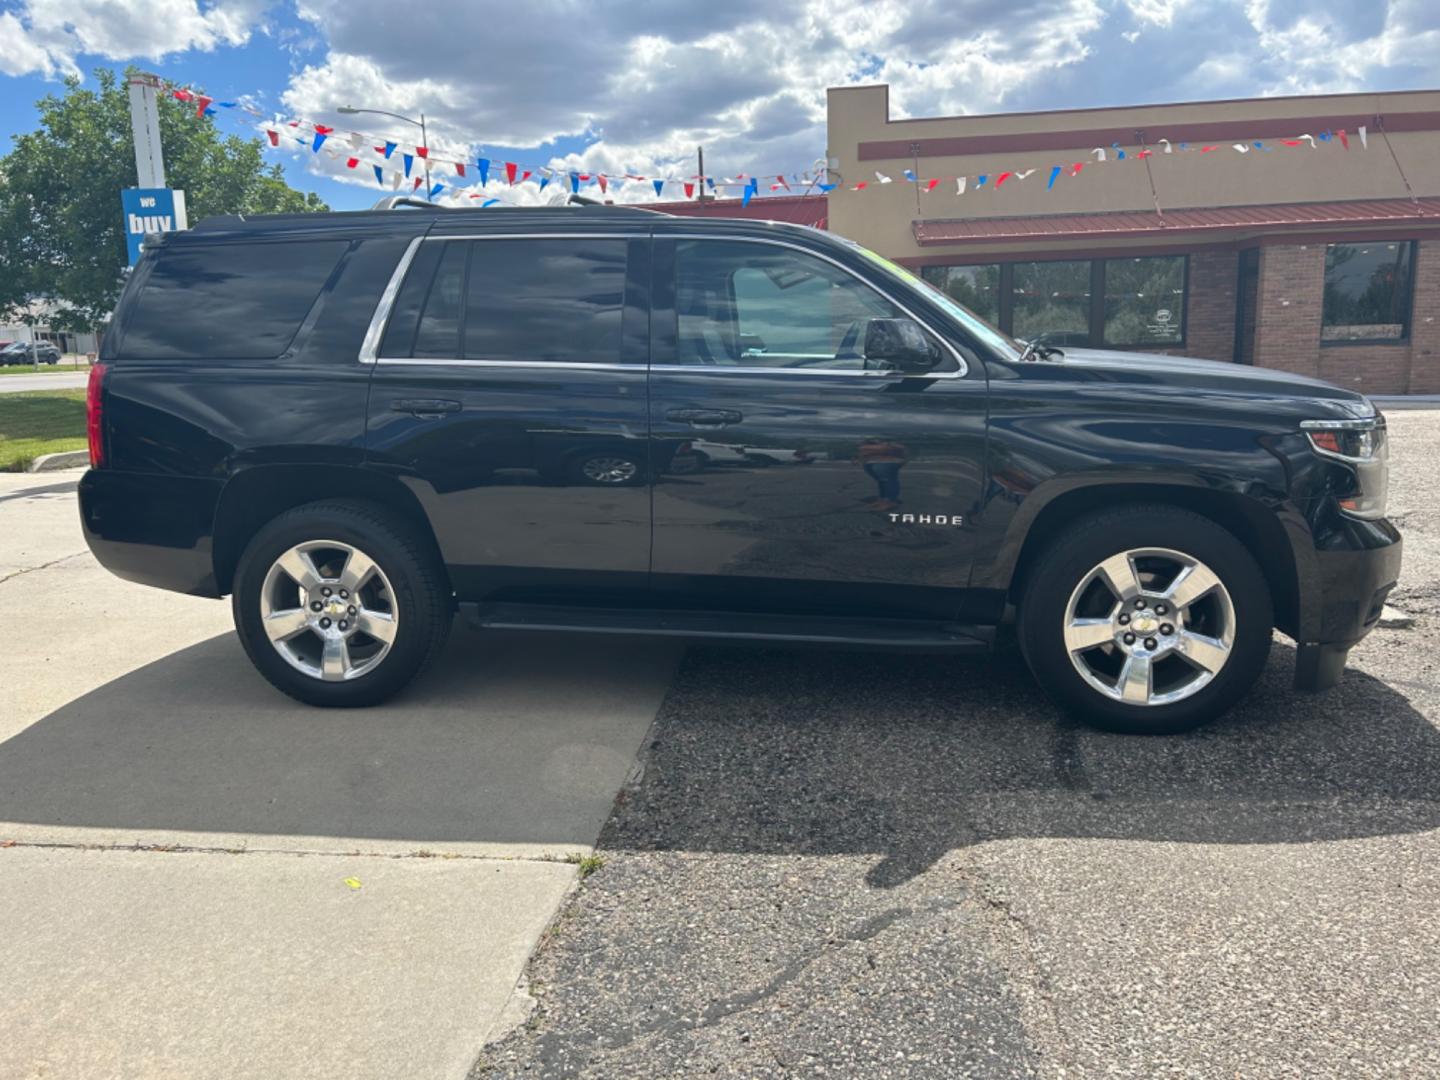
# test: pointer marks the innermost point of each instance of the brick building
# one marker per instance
(1317, 261)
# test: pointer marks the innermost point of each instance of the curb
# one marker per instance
(68, 459)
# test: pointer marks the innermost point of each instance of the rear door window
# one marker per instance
(228, 301)
(524, 300)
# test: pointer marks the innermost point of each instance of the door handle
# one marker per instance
(705, 417)
(425, 408)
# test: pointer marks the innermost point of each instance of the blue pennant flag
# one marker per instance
(436, 190)
(659, 185)
(226, 104)
(574, 181)
(910, 175)
(1119, 154)
(750, 189)
(543, 181)
(488, 202)
(484, 164)
(409, 161)
(379, 174)
(1054, 173)
(980, 181)
(389, 147)
(827, 187)
(319, 142)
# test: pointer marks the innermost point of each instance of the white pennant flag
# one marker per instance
(1242, 147)
(1364, 137)
(960, 185)
(1023, 175)
(882, 177)
(1099, 153)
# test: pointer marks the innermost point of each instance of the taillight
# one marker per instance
(94, 415)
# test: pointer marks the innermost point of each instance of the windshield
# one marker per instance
(977, 326)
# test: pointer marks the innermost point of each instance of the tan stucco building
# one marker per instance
(1319, 261)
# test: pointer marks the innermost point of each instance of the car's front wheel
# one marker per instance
(338, 603)
(1146, 620)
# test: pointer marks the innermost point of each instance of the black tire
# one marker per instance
(1063, 566)
(420, 594)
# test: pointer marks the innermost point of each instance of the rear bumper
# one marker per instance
(152, 529)
(1355, 574)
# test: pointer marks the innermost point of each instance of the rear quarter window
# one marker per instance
(228, 301)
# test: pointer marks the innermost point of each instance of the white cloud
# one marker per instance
(46, 36)
(641, 84)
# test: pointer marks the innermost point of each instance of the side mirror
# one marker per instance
(900, 344)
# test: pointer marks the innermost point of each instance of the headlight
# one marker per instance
(1363, 447)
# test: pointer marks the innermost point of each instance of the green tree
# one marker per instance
(60, 223)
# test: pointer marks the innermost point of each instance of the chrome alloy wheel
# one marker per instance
(328, 610)
(1150, 626)
(609, 470)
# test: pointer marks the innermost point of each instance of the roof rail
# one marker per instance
(391, 202)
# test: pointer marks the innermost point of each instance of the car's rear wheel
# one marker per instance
(1146, 620)
(338, 603)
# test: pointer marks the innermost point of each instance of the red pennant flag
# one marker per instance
(1291, 142)
(525, 176)
(604, 183)
(293, 123)
(1002, 178)
(782, 183)
(1145, 153)
(201, 104)
(584, 176)
(689, 190)
(510, 171)
(182, 95)
(274, 137)
(859, 187)
(1344, 139)
(422, 152)
(459, 168)
(1075, 169)
(321, 129)
(931, 185)
(350, 163)
(380, 149)
(1207, 149)
(418, 181)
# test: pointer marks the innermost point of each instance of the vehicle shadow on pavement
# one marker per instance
(909, 757)
(509, 740)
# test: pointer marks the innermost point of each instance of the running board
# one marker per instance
(734, 626)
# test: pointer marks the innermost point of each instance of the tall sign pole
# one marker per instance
(150, 207)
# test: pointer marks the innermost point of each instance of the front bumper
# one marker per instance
(1356, 566)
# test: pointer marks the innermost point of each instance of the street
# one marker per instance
(44, 380)
(819, 863)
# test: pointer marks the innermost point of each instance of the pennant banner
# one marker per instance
(315, 136)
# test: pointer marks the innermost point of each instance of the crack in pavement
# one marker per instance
(43, 566)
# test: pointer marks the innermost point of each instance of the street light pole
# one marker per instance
(350, 110)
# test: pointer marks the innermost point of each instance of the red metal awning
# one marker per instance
(1272, 218)
(794, 209)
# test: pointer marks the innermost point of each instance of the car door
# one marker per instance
(509, 395)
(847, 488)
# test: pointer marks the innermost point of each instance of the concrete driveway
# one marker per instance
(44, 380)
(203, 878)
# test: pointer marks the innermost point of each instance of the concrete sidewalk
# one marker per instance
(223, 939)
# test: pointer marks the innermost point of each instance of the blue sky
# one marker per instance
(634, 86)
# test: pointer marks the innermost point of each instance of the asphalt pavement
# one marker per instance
(43, 380)
(856, 864)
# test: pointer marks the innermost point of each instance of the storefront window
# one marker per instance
(1367, 291)
(1145, 301)
(1051, 301)
(975, 287)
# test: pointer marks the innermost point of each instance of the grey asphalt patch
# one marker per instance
(860, 864)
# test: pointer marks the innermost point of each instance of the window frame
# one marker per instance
(375, 333)
(669, 266)
(1407, 302)
(1095, 313)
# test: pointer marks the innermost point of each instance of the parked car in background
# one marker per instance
(358, 424)
(23, 352)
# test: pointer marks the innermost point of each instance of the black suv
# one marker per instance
(359, 423)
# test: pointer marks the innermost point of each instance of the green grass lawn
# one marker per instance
(45, 369)
(36, 422)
